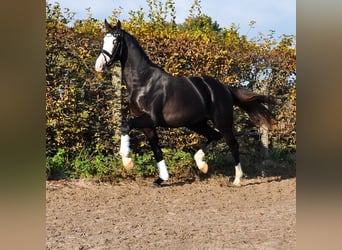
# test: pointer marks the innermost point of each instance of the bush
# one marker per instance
(80, 130)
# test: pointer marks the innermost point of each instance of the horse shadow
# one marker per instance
(253, 167)
(179, 183)
(277, 166)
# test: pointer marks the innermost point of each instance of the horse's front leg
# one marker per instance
(152, 137)
(124, 147)
(143, 122)
(137, 122)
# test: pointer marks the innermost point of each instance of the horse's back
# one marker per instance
(222, 100)
(184, 102)
(189, 100)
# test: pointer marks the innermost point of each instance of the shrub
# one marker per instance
(80, 130)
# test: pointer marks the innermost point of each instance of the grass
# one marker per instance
(181, 165)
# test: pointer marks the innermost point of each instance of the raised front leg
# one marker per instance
(124, 152)
(138, 122)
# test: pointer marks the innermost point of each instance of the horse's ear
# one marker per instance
(118, 25)
(108, 26)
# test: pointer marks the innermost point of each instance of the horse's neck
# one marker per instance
(137, 65)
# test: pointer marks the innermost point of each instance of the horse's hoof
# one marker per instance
(237, 183)
(127, 162)
(158, 182)
(204, 168)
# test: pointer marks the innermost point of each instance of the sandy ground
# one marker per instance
(202, 214)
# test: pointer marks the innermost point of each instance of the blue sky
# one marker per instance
(277, 15)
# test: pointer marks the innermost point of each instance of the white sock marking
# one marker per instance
(163, 174)
(202, 165)
(199, 158)
(238, 174)
(124, 146)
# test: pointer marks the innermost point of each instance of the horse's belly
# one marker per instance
(183, 116)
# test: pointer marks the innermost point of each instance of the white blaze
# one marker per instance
(100, 63)
(108, 45)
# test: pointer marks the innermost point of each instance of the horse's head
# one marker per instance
(112, 47)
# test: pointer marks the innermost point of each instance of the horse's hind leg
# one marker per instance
(234, 147)
(212, 135)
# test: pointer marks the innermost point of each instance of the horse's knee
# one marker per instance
(125, 128)
(215, 136)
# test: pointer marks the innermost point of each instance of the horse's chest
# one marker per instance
(137, 103)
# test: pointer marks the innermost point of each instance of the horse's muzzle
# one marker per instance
(100, 64)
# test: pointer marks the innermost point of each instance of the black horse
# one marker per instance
(157, 98)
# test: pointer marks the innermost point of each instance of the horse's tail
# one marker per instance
(252, 103)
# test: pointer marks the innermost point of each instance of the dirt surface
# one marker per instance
(207, 214)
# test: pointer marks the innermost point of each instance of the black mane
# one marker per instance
(138, 47)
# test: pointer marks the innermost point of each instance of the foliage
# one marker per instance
(99, 165)
(79, 121)
(56, 165)
(77, 100)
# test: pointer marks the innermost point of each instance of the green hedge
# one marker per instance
(80, 137)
